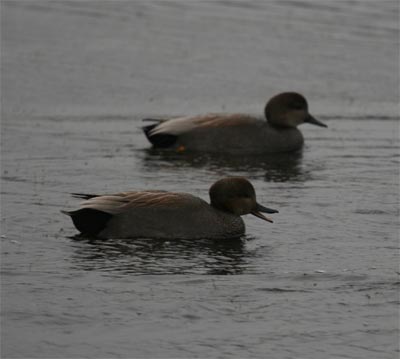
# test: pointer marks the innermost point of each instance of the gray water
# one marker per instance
(320, 282)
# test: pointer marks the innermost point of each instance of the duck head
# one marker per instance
(289, 109)
(236, 195)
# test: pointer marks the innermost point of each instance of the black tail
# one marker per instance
(84, 195)
(163, 140)
(89, 221)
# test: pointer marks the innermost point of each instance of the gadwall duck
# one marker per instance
(170, 215)
(237, 133)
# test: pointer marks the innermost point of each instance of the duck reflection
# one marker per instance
(149, 256)
(277, 167)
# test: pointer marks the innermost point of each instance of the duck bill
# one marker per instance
(260, 215)
(314, 121)
(259, 208)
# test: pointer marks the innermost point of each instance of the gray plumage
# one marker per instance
(237, 133)
(170, 215)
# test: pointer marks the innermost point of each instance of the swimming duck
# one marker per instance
(170, 215)
(237, 133)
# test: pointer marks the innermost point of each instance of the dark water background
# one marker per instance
(321, 282)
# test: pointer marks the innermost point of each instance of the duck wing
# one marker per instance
(95, 212)
(118, 203)
(164, 133)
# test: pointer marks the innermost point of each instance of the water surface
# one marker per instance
(320, 282)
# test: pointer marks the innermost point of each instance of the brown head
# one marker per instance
(236, 195)
(289, 109)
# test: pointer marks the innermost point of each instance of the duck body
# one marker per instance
(164, 215)
(237, 133)
(224, 133)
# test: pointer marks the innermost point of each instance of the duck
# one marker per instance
(237, 133)
(168, 215)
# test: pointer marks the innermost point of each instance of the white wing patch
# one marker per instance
(178, 126)
(175, 126)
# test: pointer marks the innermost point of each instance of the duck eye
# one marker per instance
(247, 196)
(297, 106)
